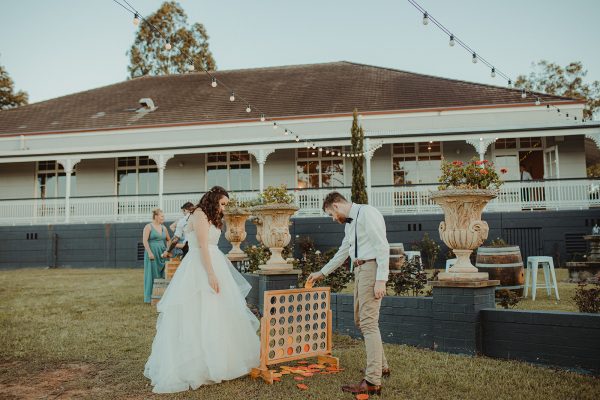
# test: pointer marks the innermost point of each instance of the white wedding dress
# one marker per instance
(203, 337)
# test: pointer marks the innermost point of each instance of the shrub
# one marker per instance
(508, 298)
(476, 174)
(260, 254)
(409, 280)
(276, 195)
(498, 242)
(588, 300)
(312, 260)
(429, 250)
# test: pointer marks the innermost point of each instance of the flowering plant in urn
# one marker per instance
(464, 191)
(272, 218)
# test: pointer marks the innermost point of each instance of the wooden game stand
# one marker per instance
(323, 355)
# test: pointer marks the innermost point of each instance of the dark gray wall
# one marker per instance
(556, 233)
(545, 337)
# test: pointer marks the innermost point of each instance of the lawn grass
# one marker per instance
(85, 333)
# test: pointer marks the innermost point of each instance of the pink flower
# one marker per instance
(478, 162)
(503, 170)
(459, 163)
(483, 171)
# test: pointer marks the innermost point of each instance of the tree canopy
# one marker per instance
(8, 97)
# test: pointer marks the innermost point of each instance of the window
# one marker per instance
(315, 169)
(530, 143)
(510, 143)
(136, 175)
(229, 169)
(414, 163)
(52, 180)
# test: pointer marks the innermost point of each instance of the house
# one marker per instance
(110, 155)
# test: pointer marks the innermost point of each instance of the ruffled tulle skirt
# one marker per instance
(203, 337)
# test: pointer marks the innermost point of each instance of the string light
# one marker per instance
(285, 132)
(475, 56)
(137, 18)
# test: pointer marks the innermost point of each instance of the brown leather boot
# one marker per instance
(362, 387)
(385, 372)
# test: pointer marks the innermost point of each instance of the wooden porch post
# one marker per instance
(68, 165)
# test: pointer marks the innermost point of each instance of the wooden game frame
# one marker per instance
(266, 326)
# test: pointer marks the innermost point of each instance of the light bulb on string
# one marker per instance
(509, 83)
(451, 42)
(232, 97)
(339, 153)
(537, 101)
(285, 132)
(297, 139)
(425, 19)
(523, 94)
(474, 58)
(493, 73)
(136, 19)
(320, 149)
(248, 109)
(274, 125)
(327, 151)
(214, 82)
(262, 118)
(313, 153)
(567, 115)
(313, 146)
(168, 46)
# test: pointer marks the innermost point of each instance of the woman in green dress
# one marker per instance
(155, 240)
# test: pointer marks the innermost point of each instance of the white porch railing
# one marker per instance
(575, 194)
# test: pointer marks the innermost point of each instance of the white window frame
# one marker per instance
(228, 163)
(136, 169)
(416, 154)
(58, 169)
(321, 156)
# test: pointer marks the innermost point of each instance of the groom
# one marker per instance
(366, 243)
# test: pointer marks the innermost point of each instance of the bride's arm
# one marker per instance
(201, 226)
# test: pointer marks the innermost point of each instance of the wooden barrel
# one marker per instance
(396, 256)
(504, 264)
(171, 267)
(158, 289)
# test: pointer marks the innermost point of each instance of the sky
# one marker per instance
(55, 47)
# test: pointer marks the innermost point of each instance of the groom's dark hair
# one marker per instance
(333, 197)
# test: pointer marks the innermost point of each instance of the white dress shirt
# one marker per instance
(526, 176)
(179, 228)
(371, 238)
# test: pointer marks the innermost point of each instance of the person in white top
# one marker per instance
(366, 244)
(525, 175)
(178, 226)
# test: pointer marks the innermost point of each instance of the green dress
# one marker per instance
(154, 268)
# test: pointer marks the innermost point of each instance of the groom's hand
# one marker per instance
(315, 276)
(379, 289)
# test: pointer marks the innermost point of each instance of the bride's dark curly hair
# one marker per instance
(209, 204)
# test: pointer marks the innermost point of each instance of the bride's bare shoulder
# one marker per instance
(198, 214)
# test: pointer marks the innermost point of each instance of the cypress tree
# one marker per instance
(359, 192)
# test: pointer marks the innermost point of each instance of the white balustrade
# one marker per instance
(575, 194)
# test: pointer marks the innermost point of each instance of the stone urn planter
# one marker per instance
(462, 229)
(235, 233)
(273, 230)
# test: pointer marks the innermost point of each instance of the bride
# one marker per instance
(204, 333)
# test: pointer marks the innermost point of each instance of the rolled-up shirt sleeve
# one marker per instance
(338, 259)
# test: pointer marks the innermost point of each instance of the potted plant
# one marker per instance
(464, 191)
(236, 213)
(272, 217)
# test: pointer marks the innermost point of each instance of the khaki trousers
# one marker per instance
(366, 317)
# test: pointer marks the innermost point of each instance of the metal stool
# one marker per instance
(549, 276)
